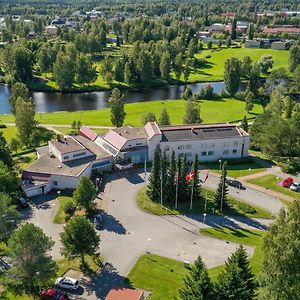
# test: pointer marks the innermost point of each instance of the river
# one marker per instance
(51, 102)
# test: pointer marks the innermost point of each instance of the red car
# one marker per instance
(51, 294)
(287, 182)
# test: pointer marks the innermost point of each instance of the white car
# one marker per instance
(295, 187)
(67, 283)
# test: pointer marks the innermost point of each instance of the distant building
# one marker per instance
(57, 22)
(124, 294)
(217, 28)
(203, 34)
(280, 45)
(253, 44)
(51, 30)
(289, 29)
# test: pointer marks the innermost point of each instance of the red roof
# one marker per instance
(88, 133)
(281, 29)
(124, 294)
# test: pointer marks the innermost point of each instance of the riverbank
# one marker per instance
(221, 110)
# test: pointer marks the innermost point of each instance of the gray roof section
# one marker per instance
(92, 147)
(67, 145)
(52, 165)
(199, 132)
(42, 150)
(131, 133)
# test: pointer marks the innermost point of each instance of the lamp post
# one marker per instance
(220, 161)
(204, 217)
(58, 194)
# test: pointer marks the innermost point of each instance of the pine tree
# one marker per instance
(233, 29)
(192, 112)
(183, 190)
(164, 117)
(244, 124)
(163, 176)
(165, 66)
(153, 189)
(128, 76)
(118, 113)
(236, 282)
(196, 184)
(220, 198)
(171, 180)
(197, 284)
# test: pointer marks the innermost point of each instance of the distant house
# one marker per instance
(202, 34)
(217, 28)
(289, 29)
(253, 44)
(280, 45)
(124, 294)
(51, 30)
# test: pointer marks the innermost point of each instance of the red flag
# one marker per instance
(190, 176)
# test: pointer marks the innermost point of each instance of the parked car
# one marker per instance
(287, 182)
(52, 294)
(295, 186)
(23, 202)
(98, 221)
(236, 184)
(67, 283)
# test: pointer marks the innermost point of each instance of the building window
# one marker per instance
(139, 144)
(66, 157)
(235, 143)
(129, 145)
(188, 146)
(167, 148)
(55, 182)
(211, 145)
(210, 153)
(226, 144)
(204, 146)
(181, 147)
(234, 151)
(189, 154)
(181, 155)
(225, 152)
(203, 153)
(79, 154)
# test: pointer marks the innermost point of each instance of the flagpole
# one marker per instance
(191, 204)
(145, 174)
(176, 195)
(161, 188)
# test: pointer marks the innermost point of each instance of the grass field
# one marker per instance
(9, 132)
(23, 161)
(164, 276)
(214, 70)
(59, 217)
(236, 170)
(223, 110)
(69, 130)
(270, 182)
(236, 207)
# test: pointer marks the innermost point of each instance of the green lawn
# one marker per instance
(236, 207)
(223, 110)
(59, 217)
(236, 170)
(23, 161)
(214, 70)
(9, 132)
(270, 182)
(67, 130)
(164, 277)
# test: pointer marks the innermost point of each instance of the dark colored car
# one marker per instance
(52, 294)
(235, 183)
(23, 202)
(98, 221)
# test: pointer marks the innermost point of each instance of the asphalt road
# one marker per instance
(130, 232)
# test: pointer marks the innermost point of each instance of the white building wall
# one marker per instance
(76, 155)
(208, 150)
(152, 145)
(54, 151)
(135, 143)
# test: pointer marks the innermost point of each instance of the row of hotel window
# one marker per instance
(209, 153)
(189, 146)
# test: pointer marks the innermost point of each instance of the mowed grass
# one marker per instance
(23, 161)
(271, 182)
(214, 69)
(60, 215)
(236, 207)
(164, 277)
(69, 130)
(9, 132)
(236, 170)
(223, 110)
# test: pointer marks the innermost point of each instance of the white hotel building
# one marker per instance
(64, 161)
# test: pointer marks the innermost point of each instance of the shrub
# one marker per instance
(224, 94)
(69, 208)
(3, 126)
(289, 168)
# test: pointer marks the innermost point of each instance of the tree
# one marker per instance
(8, 213)
(246, 66)
(253, 83)
(280, 278)
(117, 109)
(187, 70)
(18, 90)
(84, 193)
(165, 66)
(250, 31)
(183, 191)
(237, 280)
(153, 188)
(164, 117)
(23, 63)
(195, 182)
(148, 117)
(192, 112)
(233, 29)
(32, 265)
(25, 121)
(294, 58)
(85, 71)
(145, 67)
(232, 75)
(5, 154)
(209, 44)
(187, 93)
(171, 180)
(14, 145)
(192, 48)
(220, 197)
(249, 101)
(9, 179)
(197, 284)
(244, 124)
(79, 238)
(178, 66)
(64, 71)
(128, 76)
(103, 39)
(266, 62)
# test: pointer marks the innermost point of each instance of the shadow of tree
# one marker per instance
(111, 224)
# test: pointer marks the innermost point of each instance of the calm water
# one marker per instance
(50, 102)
